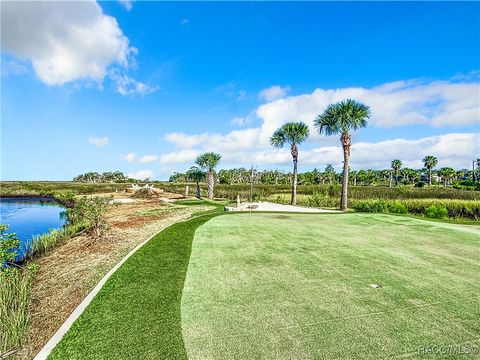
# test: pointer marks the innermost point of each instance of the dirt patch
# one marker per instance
(69, 272)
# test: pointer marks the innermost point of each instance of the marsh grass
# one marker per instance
(432, 208)
(41, 244)
(15, 291)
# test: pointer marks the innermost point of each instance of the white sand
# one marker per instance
(266, 206)
(122, 201)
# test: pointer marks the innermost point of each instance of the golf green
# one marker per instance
(293, 286)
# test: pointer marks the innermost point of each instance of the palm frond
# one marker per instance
(342, 117)
(208, 160)
(291, 133)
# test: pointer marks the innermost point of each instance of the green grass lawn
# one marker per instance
(288, 286)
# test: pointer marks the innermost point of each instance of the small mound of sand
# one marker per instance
(145, 193)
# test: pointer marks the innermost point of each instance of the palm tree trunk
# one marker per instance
(210, 184)
(390, 179)
(396, 178)
(345, 139)
(294, 151)
(429, 177)
(294, 183)
(197, 192)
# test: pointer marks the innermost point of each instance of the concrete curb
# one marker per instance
(57, 337)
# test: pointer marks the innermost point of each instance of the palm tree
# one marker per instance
(430, 162)
(447, 174)
(341, 118)
(396, 166)
(197, 175)
(293, 133)
(208, 162)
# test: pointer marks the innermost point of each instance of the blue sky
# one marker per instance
(144, 87)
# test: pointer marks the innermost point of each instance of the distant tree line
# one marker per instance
(106, 177)
(396, 175)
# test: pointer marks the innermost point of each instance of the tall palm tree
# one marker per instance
(396, 166)
(342, 118)
(197, 175)
(208, 161)
(293, 133)
(430, 162)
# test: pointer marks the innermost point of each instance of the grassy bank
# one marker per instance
(137, 313)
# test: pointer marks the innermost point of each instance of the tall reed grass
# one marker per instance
(15, 291)
(41, 244)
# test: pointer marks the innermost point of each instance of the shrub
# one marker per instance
(396, 208)
(371, 206)
(65, 197)
(436, 212)
(90, 212)
(420, 184)
(320, 200)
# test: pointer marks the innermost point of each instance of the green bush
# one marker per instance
(90, 212)
(320, 200)
(65, 197)
(370, 206)
(396, 208)
(436, 212)
(420, 184)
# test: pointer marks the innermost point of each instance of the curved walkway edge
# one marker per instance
(57, 337)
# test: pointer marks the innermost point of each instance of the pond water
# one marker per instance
(30, 216)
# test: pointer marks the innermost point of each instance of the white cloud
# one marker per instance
(70, 41)
(148, 158)
(455, 150)
(238, 140)
(184, 21)
(432, 103)
(141, 175)
(99, 141)
(274, 92)
(240, 121)
(65, 41)
(129, 86)
(178, 157)
(435, 103)
(127, 4)
(129, 157)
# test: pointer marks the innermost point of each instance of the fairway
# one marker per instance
(290, 286)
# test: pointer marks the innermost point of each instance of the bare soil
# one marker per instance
(69, 272)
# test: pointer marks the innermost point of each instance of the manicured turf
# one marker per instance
(290, 286)
(295, 286)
